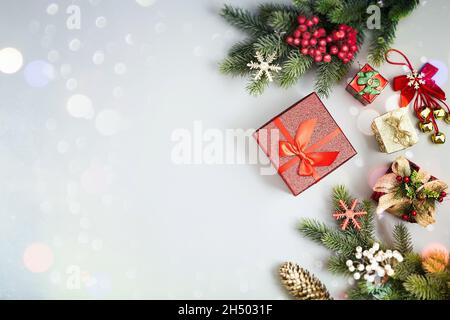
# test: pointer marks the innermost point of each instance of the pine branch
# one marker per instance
(244, 20)
(367, 232)
(282, 21)
(382, 41)
(257, 87)
(295, 66)
(426, 287)
(329, 74)
(326, 6)
(236, 62)
(340, 242)
(340, 193)
(336, 265)
(402, 9)
(350, 11)
(411, 264)
(313, 229)
(267, 9)
(402, 239)
(304, 6)
(244, 48)
(269, 44)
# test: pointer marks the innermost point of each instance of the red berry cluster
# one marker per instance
(410, 216)
(315, 42)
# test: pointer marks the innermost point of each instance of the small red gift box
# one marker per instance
(367, 85)
(304, 143)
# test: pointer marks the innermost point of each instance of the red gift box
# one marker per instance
(363, 86)
(304, 143)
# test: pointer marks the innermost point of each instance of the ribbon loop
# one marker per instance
(408, 63)
(298, 148)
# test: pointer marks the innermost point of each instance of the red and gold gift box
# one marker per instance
(367, 85)
(304, 143)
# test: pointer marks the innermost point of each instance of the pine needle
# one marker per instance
(402, 239)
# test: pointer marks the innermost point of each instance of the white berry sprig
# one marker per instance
(373, 264)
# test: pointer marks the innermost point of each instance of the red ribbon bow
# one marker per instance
(298, 149)
(418, 87)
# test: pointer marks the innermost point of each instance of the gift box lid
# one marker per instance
(304, 143)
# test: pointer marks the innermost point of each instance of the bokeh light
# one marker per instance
(80, 106)
(108, 122)
(365, 120)
(145, 3)
(11, 60)
(38, 257)
(39, 73)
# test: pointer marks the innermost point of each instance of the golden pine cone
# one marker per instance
(435, 261)
(301, 284)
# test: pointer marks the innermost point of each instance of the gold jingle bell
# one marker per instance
(447, 118)
(426, 126)
(438, 138)
(439, 113)
(425, 112)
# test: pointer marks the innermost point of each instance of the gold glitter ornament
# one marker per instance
(426, 126)
(438, 138)
(439, 113)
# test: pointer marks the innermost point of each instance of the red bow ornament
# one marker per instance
(420, 88)
(297, 148)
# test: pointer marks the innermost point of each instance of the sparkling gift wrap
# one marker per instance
(304, 143)
(394, 131)
(367, 85)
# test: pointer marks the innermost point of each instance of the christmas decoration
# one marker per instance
(409, 192)
(348, 214)
(367, 84)
(427, 97)
(304, 143)
(316, 43)
(301, 284)
(264, 66)
(394, 131)
(374, 264)
(322, 33)
(380, 273)
(435, 261)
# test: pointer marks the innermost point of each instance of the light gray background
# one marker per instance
(116, 208)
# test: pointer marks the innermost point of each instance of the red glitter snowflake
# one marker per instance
(349, 214)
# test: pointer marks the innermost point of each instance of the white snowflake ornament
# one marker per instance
(264, 66)
(415, 79)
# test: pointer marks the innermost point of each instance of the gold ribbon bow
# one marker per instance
(401, 135)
